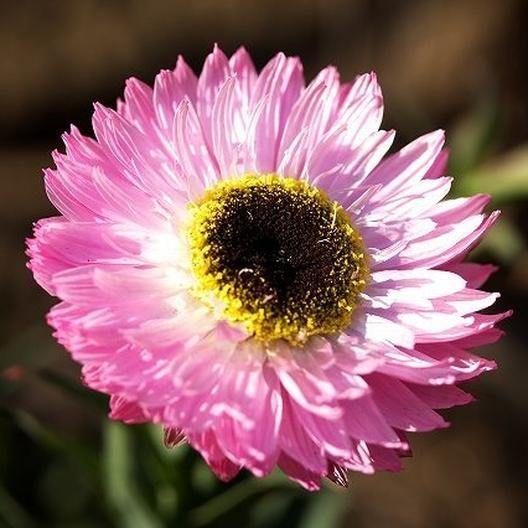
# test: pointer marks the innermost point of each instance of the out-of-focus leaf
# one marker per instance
(271, 509)
(471, 139)
(505, 178)
(120, 482)
(75, 388)
(75, 451)
(159, 475)
(325, 508)
(62, 490)
(504, 241)
(182, 478)
(223, 503)
(238, 494)
(33, 348)
(203, 478)
(12, 515)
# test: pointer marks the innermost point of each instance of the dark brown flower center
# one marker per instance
(282, 258)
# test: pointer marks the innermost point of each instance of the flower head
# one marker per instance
(239, 260)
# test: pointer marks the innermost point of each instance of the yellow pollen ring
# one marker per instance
(277, 256)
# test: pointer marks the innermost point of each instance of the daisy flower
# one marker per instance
(238, 259)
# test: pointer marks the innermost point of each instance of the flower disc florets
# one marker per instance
(279, 255)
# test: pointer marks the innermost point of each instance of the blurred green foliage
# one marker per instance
(479, 169)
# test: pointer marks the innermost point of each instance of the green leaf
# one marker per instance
(326, 508)
(471, 139)
(272, 509)
(121, 486)
(12, 515)
(251, 488)
(505, 241)
(505, 178)
(75, 451)
(33, 348)
(74, 387)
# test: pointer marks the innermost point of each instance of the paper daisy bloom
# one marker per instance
(240, 260)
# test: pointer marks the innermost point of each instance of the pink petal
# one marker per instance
(309, 480)
(401, 408)
(278, 87)
(170, 88)
(215, 72)
(441, 397)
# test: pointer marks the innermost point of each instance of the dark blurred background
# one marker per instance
(453, 64)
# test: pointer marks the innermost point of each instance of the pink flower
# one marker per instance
(238, 260)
